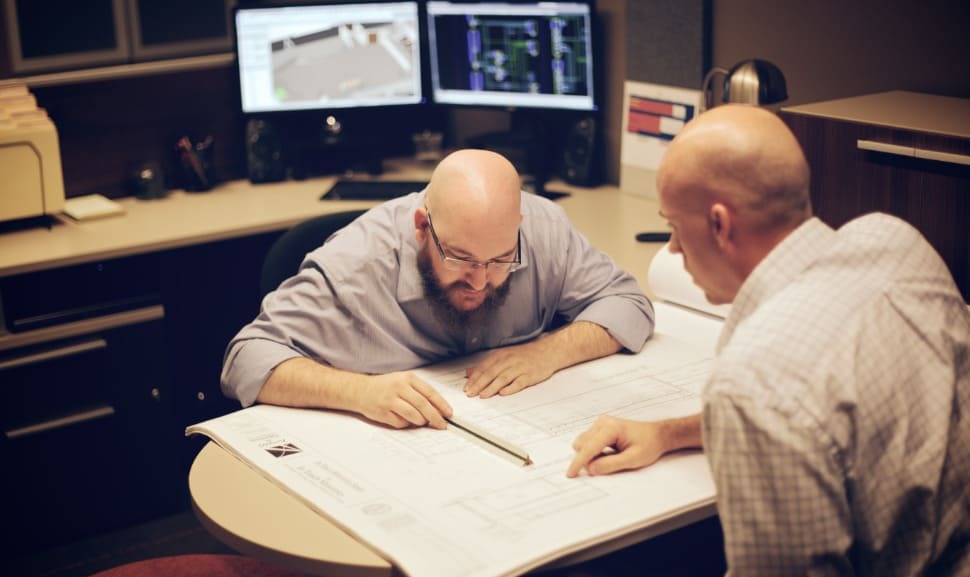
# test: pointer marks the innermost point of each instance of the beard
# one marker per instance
(453, 317)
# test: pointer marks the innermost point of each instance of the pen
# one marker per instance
(190, 156)
(505, 446)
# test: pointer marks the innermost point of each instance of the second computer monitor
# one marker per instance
(512, 54)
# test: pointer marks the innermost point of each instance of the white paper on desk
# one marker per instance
(435, 504)
(669, 281)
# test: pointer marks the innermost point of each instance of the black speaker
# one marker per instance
(264, 152)
(579, 164)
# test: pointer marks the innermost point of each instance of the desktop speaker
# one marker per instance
(579, 153)
(264, 152)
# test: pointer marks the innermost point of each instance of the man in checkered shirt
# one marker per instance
(837, 418)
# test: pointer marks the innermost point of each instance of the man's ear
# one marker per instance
(420, 224)
(721, 224)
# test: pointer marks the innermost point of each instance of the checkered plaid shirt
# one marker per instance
(837, 419)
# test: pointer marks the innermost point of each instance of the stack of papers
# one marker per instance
(91, 206)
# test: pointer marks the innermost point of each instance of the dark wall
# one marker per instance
(107, 128)
(830, 49)
(826, 50)
(668, 41)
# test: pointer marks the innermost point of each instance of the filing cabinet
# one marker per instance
(89, 443)
(102, 366)
(899, 152)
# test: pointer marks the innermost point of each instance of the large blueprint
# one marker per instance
(435, 503)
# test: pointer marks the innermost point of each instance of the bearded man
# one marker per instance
(471, 263)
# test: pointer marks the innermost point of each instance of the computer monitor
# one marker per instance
(513, 54)
(327, 56)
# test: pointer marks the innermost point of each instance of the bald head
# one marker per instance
(475, 196)
(742, 156)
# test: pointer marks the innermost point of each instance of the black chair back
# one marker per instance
(285, 255)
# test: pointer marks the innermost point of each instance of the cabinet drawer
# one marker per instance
(88, 441)
(62, 295)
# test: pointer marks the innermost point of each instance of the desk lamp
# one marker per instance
(756, 82)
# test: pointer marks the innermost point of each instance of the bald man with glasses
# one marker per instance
(496, 269)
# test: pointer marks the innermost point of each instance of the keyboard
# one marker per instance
(372, 189)
(388, 189)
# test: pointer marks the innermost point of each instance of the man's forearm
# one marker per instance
(578, 342)
(680, 433)
(301, 382)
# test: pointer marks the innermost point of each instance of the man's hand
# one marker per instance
(509, 370)
(402, 400)
(613, 444)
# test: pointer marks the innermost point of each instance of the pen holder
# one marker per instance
(196, 164)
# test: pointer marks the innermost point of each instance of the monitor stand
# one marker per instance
(332, 149)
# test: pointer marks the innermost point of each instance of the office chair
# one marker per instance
(285, 255)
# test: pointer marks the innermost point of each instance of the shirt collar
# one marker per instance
(795, 253)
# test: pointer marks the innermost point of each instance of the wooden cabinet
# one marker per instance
(210, 291)
(903, 153)
(112, 335)
(102, 366)
(89, 444)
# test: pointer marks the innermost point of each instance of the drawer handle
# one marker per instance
(77, 329)
(909, 151)
(73, 419)
(54, 354)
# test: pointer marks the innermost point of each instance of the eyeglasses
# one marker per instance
(464, 265)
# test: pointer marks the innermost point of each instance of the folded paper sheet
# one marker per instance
(669, 282)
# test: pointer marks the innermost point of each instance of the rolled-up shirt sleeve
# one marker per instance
(298, 320)
(595, 289)
(321, 314)
(248, 363)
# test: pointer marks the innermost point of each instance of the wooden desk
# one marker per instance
(252, 515)
(231, 210)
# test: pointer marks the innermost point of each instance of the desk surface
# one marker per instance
(231, 210)
(254, 516)
(944, 115)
